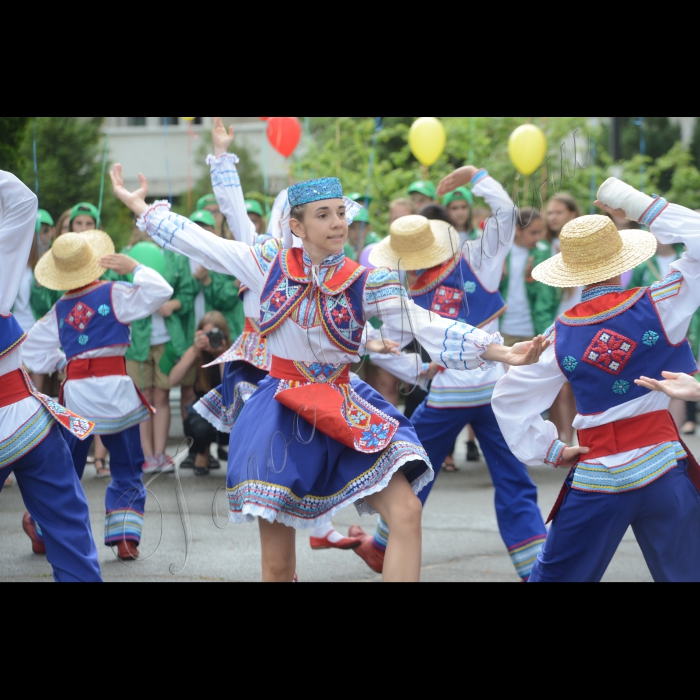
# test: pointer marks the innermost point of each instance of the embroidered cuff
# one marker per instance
(654, 211)
(142, 221)
(137, 268)
(426, 367)
(555, 456)
(480, 175)
(213, 160)
(62, 365)
(495, 339)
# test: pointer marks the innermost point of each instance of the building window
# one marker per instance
(136, 121)
(174, 121)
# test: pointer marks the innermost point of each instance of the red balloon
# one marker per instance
(284, 134)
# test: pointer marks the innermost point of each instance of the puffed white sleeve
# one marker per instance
(174, 232)
(41, 351)
(408, 367)
(450, 344)
(678, 296)
(487, 256)
(229, 194)
(518, 402)
(18, 207)
(143, 298)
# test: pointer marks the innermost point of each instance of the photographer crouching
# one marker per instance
(212, 340)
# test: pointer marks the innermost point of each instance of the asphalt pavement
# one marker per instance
(461, 539)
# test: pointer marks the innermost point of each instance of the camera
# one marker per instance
(216, 338)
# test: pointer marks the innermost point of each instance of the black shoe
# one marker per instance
(214, 463)
(188, 463)
(473, 454)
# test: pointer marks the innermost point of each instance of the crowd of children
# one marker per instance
(259, 321)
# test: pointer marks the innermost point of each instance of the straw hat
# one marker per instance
(415, 243)
(593, 251)
(73, 261)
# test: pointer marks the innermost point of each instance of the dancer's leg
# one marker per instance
(279, 555)
(402, 510)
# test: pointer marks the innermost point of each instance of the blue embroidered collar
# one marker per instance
(600, 290)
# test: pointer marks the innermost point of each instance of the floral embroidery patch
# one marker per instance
(621, 387)
(80, 316)
(447, 302)
(470, 287)
(570, 364)
(83, 340)
(610, 351)
(651, 338)
(104, 310)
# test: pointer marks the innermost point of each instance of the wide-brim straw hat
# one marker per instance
(415, 243)
(74, 261)
(593, 251)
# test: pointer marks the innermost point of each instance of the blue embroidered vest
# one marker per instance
(605, 344)
(86, 321)
(11, 335)
(454, 291)
(339, 299)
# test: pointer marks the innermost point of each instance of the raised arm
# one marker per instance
(451, 344)
(227, 185)
(143, 298)
(41, 351)
(18, 206)
(176, 233)
(676, 298)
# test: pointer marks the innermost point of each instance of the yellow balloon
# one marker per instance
(427, 139)
(188, 119)
(527, 148)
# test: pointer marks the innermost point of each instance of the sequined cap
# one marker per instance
(315, 191)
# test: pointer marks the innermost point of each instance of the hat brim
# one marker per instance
(447, 245)
(50, 276)
(637, 247)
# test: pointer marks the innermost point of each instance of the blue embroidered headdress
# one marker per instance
(313, 191)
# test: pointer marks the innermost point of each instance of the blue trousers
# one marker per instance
(589, 527)
(125, 500)
(55, 499)
(519, 517)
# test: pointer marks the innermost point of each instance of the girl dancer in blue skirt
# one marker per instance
(310, 441)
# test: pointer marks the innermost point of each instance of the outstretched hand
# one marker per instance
(121, 264)
(677, 386)
(383, 347)
(522, 354)
(222, 137)
(136, 200)
(459, 178)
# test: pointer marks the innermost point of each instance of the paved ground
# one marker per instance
(461, 540)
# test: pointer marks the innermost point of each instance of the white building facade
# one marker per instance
(168, 150)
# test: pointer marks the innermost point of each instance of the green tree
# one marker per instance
(70, 160)
(12, 130)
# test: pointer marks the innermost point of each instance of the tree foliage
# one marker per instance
(12, 130)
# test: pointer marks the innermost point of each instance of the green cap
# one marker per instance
(424, 187)
(360, 198)
(362, 217)
(43, 218)
(202, 216)
(253, 207)
(206, 201)
(459, 193)
(85, 209)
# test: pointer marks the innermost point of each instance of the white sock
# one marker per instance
(328, 531)
(620, 195)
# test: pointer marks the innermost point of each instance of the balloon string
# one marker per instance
(167, 163)
(102, 181)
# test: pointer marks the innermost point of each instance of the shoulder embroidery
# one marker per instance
(266, 253)
(670, 287)
(383, 284)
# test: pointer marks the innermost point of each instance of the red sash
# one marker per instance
(322, 396)
(13, 389)
(631, 434)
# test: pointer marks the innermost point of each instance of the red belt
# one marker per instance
(287, 370)
(13, 388)
(627, 435)
(251, 326)
(97, 367)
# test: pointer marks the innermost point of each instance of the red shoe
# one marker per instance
(344, 544)
(127, 551)
(38, 547)
(367, 551)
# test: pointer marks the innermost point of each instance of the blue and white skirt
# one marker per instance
(282, 470)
